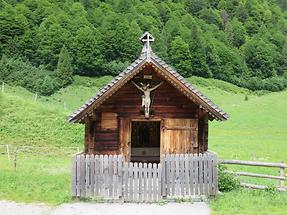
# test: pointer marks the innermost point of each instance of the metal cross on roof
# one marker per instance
(147, 39)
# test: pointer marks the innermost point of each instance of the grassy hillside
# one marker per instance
(256, 130)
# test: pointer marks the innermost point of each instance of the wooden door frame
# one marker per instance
(142, 119)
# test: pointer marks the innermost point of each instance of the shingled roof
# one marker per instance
(148, 57)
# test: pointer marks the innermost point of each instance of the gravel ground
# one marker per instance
(12, 208)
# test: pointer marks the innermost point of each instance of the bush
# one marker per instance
(274, 84)
(226, 181)
(35, 79)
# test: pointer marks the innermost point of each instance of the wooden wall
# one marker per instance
(167, 103)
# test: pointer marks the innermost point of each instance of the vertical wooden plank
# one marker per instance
(182, 175)
(87, 182)
(136, 181)
(101, 176)
(92, 169)
(163, 176)
(154, 182)
(126, 180)
(177, 181)
(149, 182)
(120, 177)
(196, 172)
(78, 175)
(97, 172)
(110, 175)
(200, 172)
(115, 177)
(131, 186)
(215, 184)
(191, 173)
(145, 182)
(209, 176)
(140, 182)
(83, 176)
(186, 176)
(106, 176)
(159, 174)
(168, 175)
(282, 174)
(172, 169)
(205, 173)
(74, 176)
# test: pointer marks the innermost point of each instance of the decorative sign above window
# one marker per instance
(147, 77)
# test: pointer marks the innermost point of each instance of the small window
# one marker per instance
(109, 121)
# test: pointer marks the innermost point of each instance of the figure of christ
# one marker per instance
(146, 101)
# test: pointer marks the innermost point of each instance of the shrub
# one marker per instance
(35, 79)
(226, 181)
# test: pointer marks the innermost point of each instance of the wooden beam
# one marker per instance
(253, 163)
(255, 186)
(257, 175)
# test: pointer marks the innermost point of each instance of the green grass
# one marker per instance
(250, 202)
(256, 130)
(37, 179)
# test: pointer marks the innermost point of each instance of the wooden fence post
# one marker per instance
(282, 174)
(36, 96)
(3, 85)
(15, 158)
(7, 151)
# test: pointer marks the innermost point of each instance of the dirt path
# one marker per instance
(12, 208)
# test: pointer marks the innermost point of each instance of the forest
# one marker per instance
(44, 43)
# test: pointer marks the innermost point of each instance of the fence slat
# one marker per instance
(92, 169)
(149, 182)
(74, 176)
(97, 173)
(140, 182)
(145, 182)
(191, 174)
(136, 181)
(205, 171)
(196, 173)
(163, 176)
(215, 176)
(186, 176)
(102, 180)
(87, 181)
(177, 178)
(154, 182)
(83, 173)
(126, 180)
(130, 198)
(168, 174)
(159, 176)
(120, 177)
(200, 174)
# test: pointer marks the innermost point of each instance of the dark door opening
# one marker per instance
(145, 141)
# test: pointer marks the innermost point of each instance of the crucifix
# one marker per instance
(147, 39)
(146, 101)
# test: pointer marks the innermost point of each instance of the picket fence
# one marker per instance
(110, 177)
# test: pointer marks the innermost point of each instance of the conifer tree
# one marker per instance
(65, 68)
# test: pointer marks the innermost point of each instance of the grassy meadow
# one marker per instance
(256, 130)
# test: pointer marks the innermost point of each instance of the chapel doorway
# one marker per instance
(145, 141)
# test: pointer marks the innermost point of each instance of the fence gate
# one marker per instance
(142, 182)
(112, 178)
